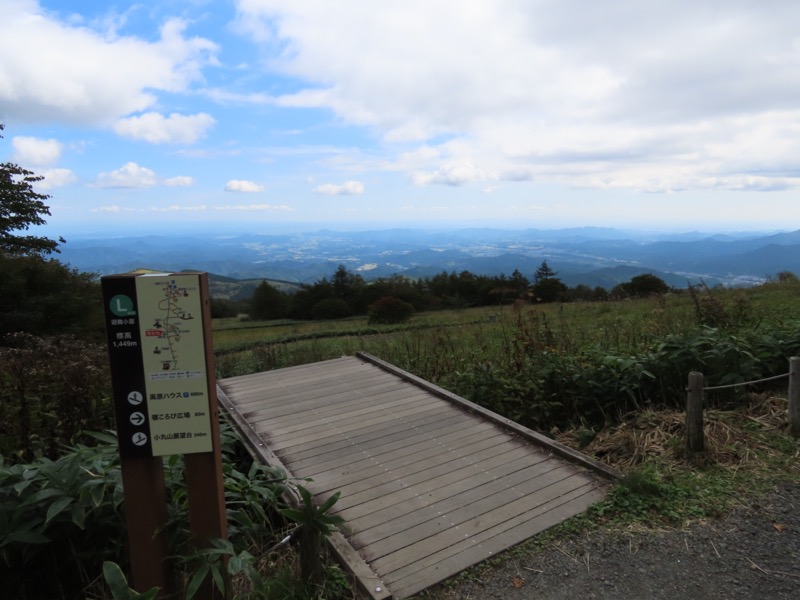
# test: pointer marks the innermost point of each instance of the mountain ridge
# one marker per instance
(588, 255)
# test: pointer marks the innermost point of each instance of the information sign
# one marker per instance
(158, 363)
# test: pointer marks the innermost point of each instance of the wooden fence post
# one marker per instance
(694, 414)
(794, 396)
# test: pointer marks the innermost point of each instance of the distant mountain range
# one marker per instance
(588, 255)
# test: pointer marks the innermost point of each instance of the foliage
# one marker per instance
(547, 287)
(331, 308)
(58, 521)
(224, 308)
(51, 390)
(44, 297)
(21, 208)
(268, 303)
(551, 366)
(389, 309)
(549, 290)
(543, 272)
(641, 286)
(118, 585)
(314, 522)
(62, 521)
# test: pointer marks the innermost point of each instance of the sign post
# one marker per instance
(162, 366)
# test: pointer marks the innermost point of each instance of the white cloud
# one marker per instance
(242, 185)
(111, 208)
(35, 151)
(179, 181)
(155, 128)
(56, 70)
(451, 174)
(178, 208)
(55, 178)
(348, 188)
(254, 207)
(620, 95)
(130, 175)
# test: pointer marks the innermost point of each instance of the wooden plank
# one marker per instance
(430, 482)
(444, 530)
(289, 439)
(390, 433)
(414, 497)
(399, 400)
(368, 581)
(556, 447)
(421, 482)
(288, 411)
(422, 574)
(379, 448)
(287, 373)
(397, 469)
(481, 492)
(441, 468)
(407, 424)
(403, 455)
(277, 395)
(406, 561)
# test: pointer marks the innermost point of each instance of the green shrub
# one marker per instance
(331, 308)
(51, 389)
(389, 309)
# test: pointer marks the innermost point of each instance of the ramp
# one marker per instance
(430, 483)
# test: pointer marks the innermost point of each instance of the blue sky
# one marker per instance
(258, 114)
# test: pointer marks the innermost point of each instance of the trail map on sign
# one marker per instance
(173, 350)
(170, 329)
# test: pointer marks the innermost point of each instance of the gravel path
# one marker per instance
(753, 554)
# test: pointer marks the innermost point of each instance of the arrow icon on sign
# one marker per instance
(137, 418)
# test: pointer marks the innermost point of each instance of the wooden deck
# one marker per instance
(430, 483)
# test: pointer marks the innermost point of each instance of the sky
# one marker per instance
(262, 114)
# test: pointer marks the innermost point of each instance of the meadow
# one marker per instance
(604, 376)
(554, 365)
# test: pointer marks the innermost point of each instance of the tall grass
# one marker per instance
(552, 366)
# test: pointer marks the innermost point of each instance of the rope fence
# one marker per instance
(695, 442)
(743, 383)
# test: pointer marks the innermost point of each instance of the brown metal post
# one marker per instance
(794, 396)
(146, 515)
(205, 489)
(694, 414)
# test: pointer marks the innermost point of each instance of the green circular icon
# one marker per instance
(122, 306)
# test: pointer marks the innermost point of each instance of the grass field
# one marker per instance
(549, 364)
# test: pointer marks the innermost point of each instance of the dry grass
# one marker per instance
(733, 438)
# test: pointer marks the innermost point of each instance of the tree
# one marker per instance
(267, 303)
(520, 283)
(42, 296)
(543, 272)
(20, 208)
(641, 286)
(548, 287)
(389, 309)
(551, 289)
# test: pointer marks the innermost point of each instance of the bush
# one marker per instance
(61, 520)
(51, 389)
(330, 308)
(389, 309)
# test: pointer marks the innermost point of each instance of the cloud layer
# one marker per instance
(54, 71)
(676, 96)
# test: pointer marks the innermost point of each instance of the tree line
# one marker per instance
(40, 295)
(346, 293)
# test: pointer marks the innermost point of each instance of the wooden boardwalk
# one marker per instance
(430, 483)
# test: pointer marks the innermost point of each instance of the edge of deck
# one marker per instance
(344, 552)
(555, 447)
